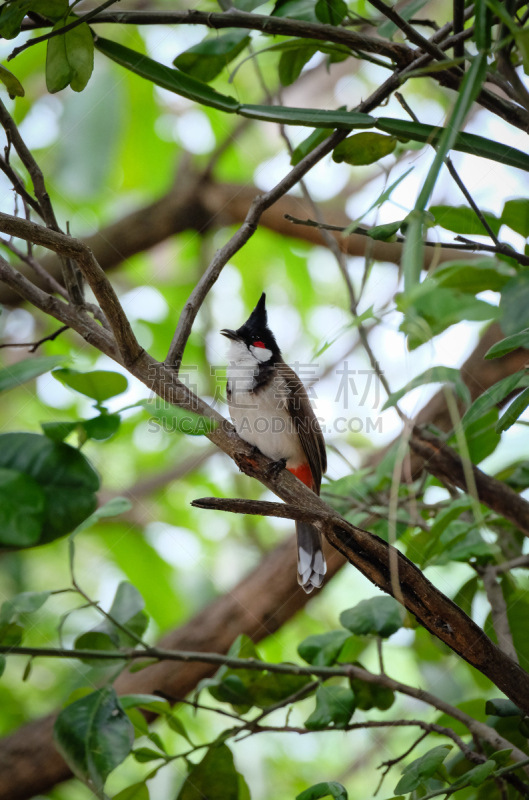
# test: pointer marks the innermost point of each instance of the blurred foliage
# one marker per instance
(113, 141)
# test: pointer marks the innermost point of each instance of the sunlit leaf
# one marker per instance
(69, 57)
(207, 59)
(100, 384)
(463, 219)
(364, 148)
(27, 369)
(515, 214)
(11, 82)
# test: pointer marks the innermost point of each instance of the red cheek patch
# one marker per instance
(303, 474)
(260, 344)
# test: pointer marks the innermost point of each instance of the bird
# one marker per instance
(271, 410)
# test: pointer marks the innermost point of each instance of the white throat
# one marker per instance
(243, 365)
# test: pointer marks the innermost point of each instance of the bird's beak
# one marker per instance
(229, 334)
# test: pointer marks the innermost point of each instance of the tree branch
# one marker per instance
(443, 462)
(245, 232)
(371, 556)
(72, 248)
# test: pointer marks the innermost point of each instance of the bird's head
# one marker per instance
(254, 337)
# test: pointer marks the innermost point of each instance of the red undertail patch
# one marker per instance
(303, 474)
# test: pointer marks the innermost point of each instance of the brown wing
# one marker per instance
(305, 423)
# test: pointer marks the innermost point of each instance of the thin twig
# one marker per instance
(33, 346)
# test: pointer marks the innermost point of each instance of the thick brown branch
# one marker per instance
(78, 251)
(432, 609)
(443, 462)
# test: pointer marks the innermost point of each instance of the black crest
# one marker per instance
(256, 329)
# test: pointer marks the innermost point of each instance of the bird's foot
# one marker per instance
(273, 469)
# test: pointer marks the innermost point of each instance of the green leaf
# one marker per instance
(514, 411)
(171, 79)
(388, 28)
(463, 219)
(206, 60)
(481, 437)
(214, 778)
(100, 385)
(150, 702)
(326, 789)
(174, 419)
(12, 615)
(22, 506)
(94, 735)
(292, 62)
(2, 665)
(69, 57)
(312, 117)
(412, 256)
(67, 479)
(11, 16)
(176, 725)
(11, 82)
(118, 505)
(364, 148)
(378, 615)
(330, 12)
(127, 609)
(334, 706)
(296, 9)
(271, 688)
(478, 774)
(494, 395)
(323, 649)
(309, 144)
(515, 215)
(145, 754)
(27, 370)
(509, 344)
(53, 9)
(384, 233)
(429, 310)
(514, 304)
(100, 428)
(464, 142)
(473, 277)
(369, 695)
(432, 375)
(500, 707)
(138, 791)
(422, 768)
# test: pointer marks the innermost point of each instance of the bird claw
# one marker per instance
(273, 469)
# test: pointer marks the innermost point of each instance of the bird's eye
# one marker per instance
(259, 344)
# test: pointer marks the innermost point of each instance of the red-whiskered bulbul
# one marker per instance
(271, 410)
